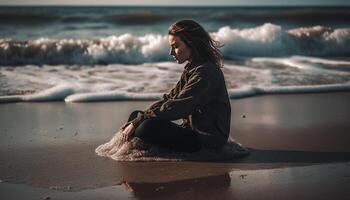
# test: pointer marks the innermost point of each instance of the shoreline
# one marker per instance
(64, 93)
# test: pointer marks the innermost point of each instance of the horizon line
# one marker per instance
(175, 5)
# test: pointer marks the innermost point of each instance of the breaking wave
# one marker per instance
(265, 40)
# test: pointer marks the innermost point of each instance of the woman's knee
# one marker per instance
(148, 124)
(147, 128)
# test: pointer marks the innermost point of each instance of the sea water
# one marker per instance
(77, 54)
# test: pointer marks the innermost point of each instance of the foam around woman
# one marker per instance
(138, 150)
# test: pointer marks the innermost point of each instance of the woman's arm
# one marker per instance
(157, 105)
(196, 93)
(166, 97)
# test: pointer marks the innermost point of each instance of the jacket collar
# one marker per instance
(193, 64)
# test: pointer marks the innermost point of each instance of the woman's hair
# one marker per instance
(202, 45)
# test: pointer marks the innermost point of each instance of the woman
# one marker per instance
(199, 98)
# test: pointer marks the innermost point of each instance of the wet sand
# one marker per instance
(299, 149)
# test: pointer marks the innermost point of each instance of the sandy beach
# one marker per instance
(299, 150)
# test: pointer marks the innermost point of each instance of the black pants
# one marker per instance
(167, 134)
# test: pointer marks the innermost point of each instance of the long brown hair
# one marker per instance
(202, 45)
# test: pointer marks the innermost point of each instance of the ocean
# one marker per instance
(79, 54)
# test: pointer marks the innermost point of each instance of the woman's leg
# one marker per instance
(166, 134)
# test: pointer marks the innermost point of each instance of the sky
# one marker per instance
(179, 2)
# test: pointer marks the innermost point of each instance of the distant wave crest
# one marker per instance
(114, 49)
(270, 40)
(265, 40)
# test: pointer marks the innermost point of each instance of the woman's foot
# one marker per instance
(238, 149)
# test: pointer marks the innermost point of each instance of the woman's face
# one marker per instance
(178, 49)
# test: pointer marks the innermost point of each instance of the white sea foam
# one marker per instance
(321, 60)
(138, 150)
(271, 40)
(111, 96)
(265, 40)
(149, 81)
(306, 64)
(125, 48)
(262, 40)
(252, 91)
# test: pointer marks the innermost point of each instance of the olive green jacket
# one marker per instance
(201, 100)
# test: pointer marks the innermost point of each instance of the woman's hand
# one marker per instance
(128, 131)
(124, 126)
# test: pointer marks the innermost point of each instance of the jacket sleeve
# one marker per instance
(195, 94)
(156, 105)
(165, 98)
